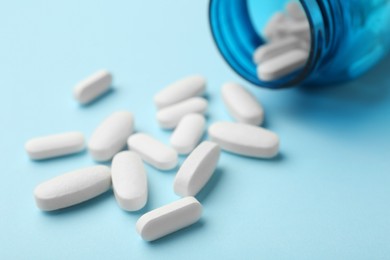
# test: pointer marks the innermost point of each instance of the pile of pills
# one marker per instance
(181, 107)
(288, 44)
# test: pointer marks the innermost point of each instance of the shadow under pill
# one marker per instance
(109, 92)
(62, 157)
(210, 186)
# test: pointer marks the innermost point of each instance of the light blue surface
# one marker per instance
(325, 197)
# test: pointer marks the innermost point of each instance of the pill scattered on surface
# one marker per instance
(111, 135)
(169, 218)
(169, 117)
(129, 181)
(188, 133)
(282, 65)
(241, 104)
(56, 145)
(180, 90)
(72, 188)
(153, 151)
(92, 87)
(268, 51)
(244, 139)
(197, 169)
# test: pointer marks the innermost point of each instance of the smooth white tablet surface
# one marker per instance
(72, 188)
(50, 146)
(153, 151)
(241, 104)
(180, 90)
(111, 135)
(129, 181)
(92, 87)
(197, 169)
(244, 139)
(188, 133)
(169, 218)
(169, 117)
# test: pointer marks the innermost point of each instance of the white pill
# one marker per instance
(169, 117)
(72, 188)
(169, 218)
(300, 30)
(129, 181)
(197, 169)
(180, 90)
(244, 139)
(272, 29)
(51, 146)
(188, 133)
(268, 51)
(282, 65)
(153, 151)
(295, 11)
(241, 104)
(111, 135)
(92, 87)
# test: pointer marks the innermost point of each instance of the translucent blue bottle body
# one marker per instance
(348, 37)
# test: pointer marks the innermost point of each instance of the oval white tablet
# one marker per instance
(129, 181)
(153, 151)
(241, 104)
(72, 188)
(272, 29)
(295, 10)
(92, 87)
(268, 51)
(282, 65)
(169, 117)
(169, 218)
(244, 139)
(197, 169)
(51, 146)
(180, 90)
(188, 133)
(111, 135)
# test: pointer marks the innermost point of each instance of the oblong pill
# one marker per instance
(244, 139)
(51, 146)
(197, 169)
(268, 51)
(282, 65)
(111, 135)
(169, 218)
(241, 104)
(272, 28)
(299, 29)
(129, 181)
(188, 133)
(169, 117)
(180, 90)
(153, 151)
(72, 188)
(92, 87)
(295, 10)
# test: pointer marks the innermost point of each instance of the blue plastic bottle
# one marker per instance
(348, 37)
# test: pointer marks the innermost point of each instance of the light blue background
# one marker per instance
(326, 196)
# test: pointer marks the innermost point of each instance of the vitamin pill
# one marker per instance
(197, 169)
(272, 29)
(153, 151)
(169, 117)
(241, 104)
(244, 139)
(169, 218)
(92, 87)
(55, 145)
(111, 135)
(300, 30)
(72, 188)
(282, 65)
(129, 181)
(188, 133)
(268, 51)
(180, 90)
(295, 11)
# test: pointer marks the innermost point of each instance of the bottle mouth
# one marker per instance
(237, 39)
